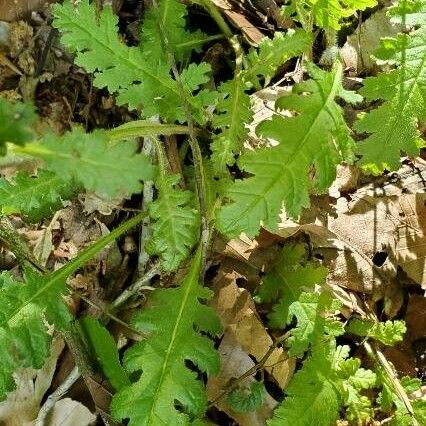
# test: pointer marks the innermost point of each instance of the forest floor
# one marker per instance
(369, 232)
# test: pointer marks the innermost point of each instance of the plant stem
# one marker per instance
(135, 287)
(10, 237)
(200, 178)
(377, 356)
(253, 370)
(216, 15)
(54, 397)
(147, 196)
(145, 128)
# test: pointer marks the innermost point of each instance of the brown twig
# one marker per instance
(251, 371)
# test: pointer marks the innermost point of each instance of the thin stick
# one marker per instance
(136, 287)
(54, 397)
(381, 360)
(253, 370)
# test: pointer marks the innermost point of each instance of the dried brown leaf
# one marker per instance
(239, 317)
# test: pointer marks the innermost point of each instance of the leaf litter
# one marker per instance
(370, 233)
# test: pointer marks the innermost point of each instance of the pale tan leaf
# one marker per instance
(239, 317)
(235, 362)
(67, 412)
(22, 405)
(410, 237)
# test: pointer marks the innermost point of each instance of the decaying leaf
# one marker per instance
(360, 46)
(410, 236)
(67, 412)
(235, 362)
(239, 317)
(371, 232)
(22, 405)
(11, 10)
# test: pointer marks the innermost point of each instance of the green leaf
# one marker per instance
(327, 13)
(172, 14)
(244, 400)
(176, 223)
(175, 319)
(290, 276)
(312, 398)
(314, 322)
(90, 159)
(402, 418)
(129, 71)
(328, 382)
(389, 398)
(389, 332)
(354, 379)
(411, 12)
(104, 351)
(316, 137)
(411, 384)
(26, 310)
(16, 123)
(393, 126)
(273, 53)
(34, 197)
(233, 113)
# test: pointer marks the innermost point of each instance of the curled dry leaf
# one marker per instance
(238, 314)
(234, 363)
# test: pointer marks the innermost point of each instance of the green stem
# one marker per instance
(377, 356)
(143, 128)
(216, 15)
(17, 245)
(91, 251)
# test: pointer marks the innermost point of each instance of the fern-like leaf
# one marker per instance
(312, 398)
(234, 107)
(244, 399)
(327, 13)
(34, 197)
(16, 123)
(389, 399)
(327, 382)
(96, 164)
(287, 280)
(317, 136)
(126, 70)
(393, 126)
(25, 309)
(389, 332)
(176, 222)
(172, 16)
(232, 117)
(313, 313)
(174, 319)
(272, 53)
